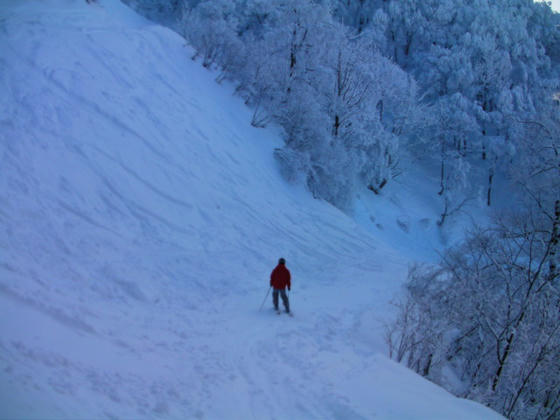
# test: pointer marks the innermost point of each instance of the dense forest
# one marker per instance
(468, 86)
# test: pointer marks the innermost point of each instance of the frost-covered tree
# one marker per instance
(500, 56)
(368, 104)
(343, 107)
(493, 300)
(211, 28)
(358, 14)
(167, 12)
(343, 78)
(493, 303)
(452, 126)
(367, 101)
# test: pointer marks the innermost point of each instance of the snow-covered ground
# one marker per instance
(140, 217)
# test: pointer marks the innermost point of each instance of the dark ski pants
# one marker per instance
(282, 293)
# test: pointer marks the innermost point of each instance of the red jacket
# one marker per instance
(280, 277)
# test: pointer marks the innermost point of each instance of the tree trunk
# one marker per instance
(501, 362)
(555, 238)
(377, 189)
(442, 172)
(336, 125)
(427, 366)
(445, 213)
(490, 181)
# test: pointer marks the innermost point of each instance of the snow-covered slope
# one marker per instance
(140, 218)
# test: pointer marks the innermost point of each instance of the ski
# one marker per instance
(279, 312)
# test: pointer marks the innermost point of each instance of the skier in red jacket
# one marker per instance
(279, 280)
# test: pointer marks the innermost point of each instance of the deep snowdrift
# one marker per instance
(140, 218)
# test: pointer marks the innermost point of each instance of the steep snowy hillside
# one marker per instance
(140, 218)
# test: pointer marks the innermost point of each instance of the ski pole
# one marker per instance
(262, 304)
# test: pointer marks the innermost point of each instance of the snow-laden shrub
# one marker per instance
(489, 313)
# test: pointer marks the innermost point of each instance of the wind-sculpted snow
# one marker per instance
(140, 218)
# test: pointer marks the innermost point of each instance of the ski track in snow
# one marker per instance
(141, 216)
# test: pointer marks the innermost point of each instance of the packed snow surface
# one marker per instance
(140, 218)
